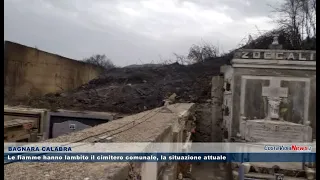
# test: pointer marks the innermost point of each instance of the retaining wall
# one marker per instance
(30, 71)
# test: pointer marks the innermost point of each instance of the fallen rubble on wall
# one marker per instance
(135, 89)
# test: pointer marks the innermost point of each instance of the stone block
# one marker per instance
(275, 131)
(225, 68)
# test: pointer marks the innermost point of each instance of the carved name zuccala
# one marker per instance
(286, 55)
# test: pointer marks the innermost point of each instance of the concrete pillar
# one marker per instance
(217, 101)
(149, 171)
(33, 136)
(169, 174)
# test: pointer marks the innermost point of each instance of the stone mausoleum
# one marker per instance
(271, 85)
(270, 96)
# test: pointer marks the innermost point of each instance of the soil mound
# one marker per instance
(135, 89)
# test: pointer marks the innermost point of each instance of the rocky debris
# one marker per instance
(132, 90)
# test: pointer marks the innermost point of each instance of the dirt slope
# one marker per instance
(132, 90)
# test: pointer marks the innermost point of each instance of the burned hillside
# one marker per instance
(135, 89)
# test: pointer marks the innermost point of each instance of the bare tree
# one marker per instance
(309, 11)
(199, 53)
(299, 18)
(181, 59)
(289, 12)
(100, 60)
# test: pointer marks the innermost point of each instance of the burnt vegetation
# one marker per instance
(100, 60)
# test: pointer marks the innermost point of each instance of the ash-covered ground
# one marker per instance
(135, 89)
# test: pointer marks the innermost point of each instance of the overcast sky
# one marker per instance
(132, 31)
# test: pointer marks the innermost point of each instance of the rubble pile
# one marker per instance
(135, 89)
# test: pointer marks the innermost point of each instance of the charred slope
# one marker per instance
(132, 90)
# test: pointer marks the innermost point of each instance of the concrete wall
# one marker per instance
(203, 115)
(29, 71)
(209, 115)
(227, 101)
(217, 108)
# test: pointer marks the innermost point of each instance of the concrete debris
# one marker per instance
(172, 97)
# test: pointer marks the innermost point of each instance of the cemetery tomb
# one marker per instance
(273, 97)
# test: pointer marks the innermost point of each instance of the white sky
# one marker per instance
(132, 31)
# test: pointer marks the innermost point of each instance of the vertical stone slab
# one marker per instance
(149, 171)
(296, 101)
(255, 105)
(236, 98)
(216, 100)
(313, 106)
(227, 109)
(203, 115)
